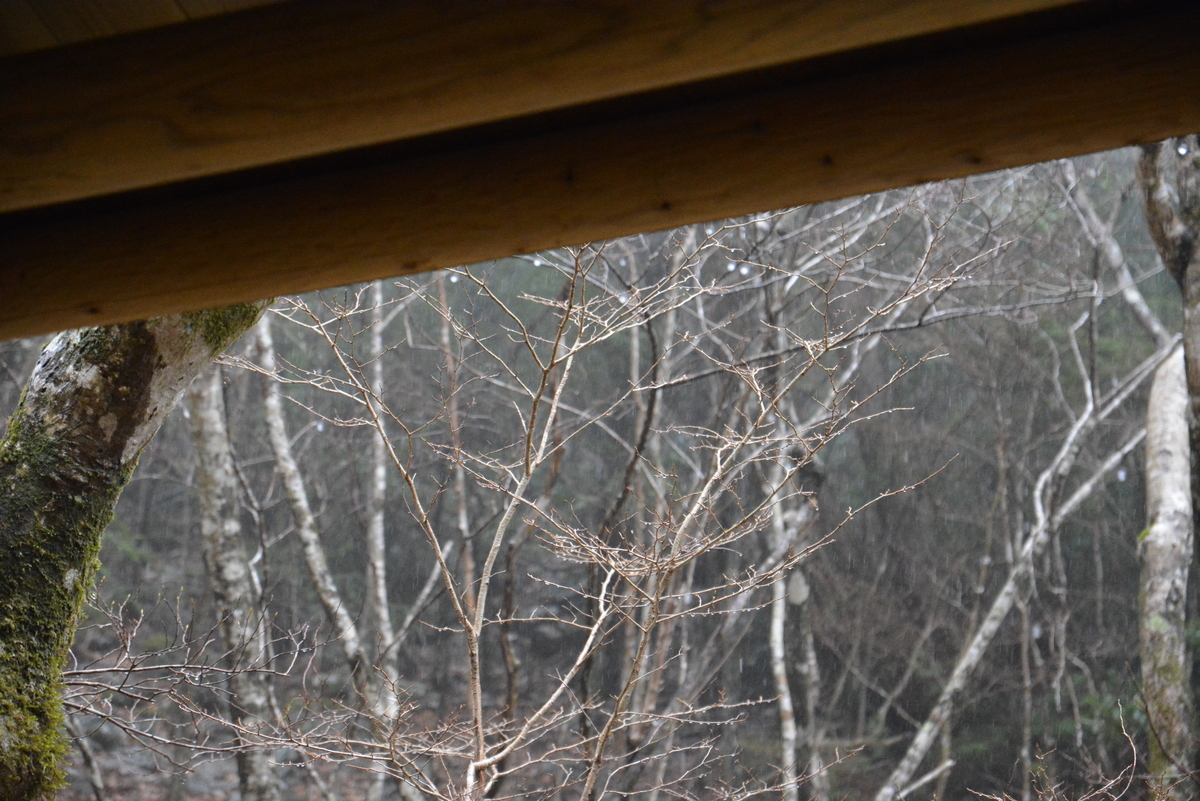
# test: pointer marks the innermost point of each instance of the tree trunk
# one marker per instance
(1166, 555)
(1169, 176)
(345, 630)
(377, 580)
(242, 627)
(818, 777)
(793, 528)
(95, 399)
(787, 713)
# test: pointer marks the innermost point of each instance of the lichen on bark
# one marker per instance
(95, 399)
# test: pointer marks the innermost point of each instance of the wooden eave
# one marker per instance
(304, 145)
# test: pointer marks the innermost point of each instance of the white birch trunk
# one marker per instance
(818, 780)
(376, 688)
(242, 629)
(1165, 549)
(1169, 177)
(339, 618)
(385, 702)
(376, 494)
(792, 529)
(787, 714)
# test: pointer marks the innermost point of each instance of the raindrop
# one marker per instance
(1122, 475)
(623, 298)
(730, 267)
(454, 279)
(1182, 148)
(744, 270)
(740, 665)
(623, 262)
(537, 262)
(708, 230)
(320, 425)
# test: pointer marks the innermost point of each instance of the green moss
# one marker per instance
(57, 494)
(51, 532)
(220, 328)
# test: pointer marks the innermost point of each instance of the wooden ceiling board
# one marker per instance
(300, 79)
(74, 20)
(929, 116)
(28, 25)
(21, 28)
(196, 9)
(126, 16)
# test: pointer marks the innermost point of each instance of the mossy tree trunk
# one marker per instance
(95, 399)
(242, 626)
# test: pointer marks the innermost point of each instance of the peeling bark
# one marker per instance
(242, 627)
(95, 399)
(1165, 550)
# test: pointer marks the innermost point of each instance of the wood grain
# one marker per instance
(892, 125)
(28, 25)
(299, 79)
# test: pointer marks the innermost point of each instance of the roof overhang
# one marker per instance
(312, 144)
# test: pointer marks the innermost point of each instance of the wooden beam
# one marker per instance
(304, 78)
(938, 109)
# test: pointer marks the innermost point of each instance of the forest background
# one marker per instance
(692, 512)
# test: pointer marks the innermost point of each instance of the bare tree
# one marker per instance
(1047, 519)
(671, 594)
(1049, 508)
(374, 681)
